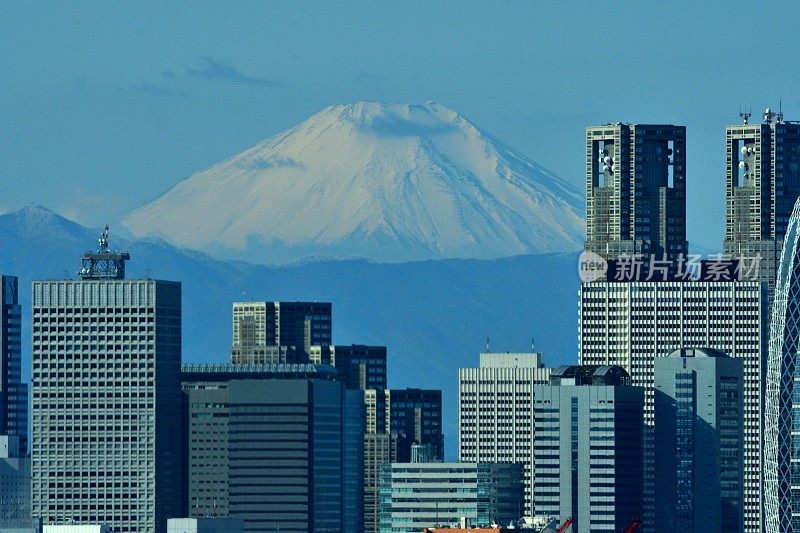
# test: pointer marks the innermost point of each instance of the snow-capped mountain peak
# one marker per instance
(390, 182)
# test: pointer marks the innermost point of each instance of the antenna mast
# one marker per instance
(104, 263)
(745, 115)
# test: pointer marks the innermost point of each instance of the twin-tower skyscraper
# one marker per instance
(636, 208)
(636, 190)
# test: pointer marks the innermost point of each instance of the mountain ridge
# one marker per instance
(434, 316)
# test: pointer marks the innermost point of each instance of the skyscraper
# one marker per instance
(588, 448)
(13, 392)
(417, 415)
(782, 419)
(762, 181)
(107, 440)
(396, 419)
(495, 411)
(632, 324)
(636, 190)
(698, 442)
(361, 367)
(276, 445)
(263, 332)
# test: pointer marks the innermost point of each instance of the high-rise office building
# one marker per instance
(632, 324)
(588, 448)
(417, 415)
(361, 367)
(762, 181)
(636, 190)
(379, 449)
(106, 397)
(698, 442)
(396, 419)
(418, 495)
(782, 418)
(279, 332)
(13, 392)
(495, 411)
(276, 445)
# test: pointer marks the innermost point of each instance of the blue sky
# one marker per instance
(104, 107)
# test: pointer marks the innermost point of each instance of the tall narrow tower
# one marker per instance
(13, 392)
(762, 181)
(107, 437)
(636, 190)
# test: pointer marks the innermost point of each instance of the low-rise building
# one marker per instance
(205, 525)
(414, 496)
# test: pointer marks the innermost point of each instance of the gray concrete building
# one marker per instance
(636, 190)
(414, 496)
(279, 332)
(278, 446)
(698, 442)
(495, 411)
(13, 392)
(588, 448)
(762, 182)
(633, 324)
(106, 442)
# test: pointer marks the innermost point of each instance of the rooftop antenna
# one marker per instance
(779, 116)
(104, 263)
(487, 344)
(769, 114)
(533, 345)
(745, 115)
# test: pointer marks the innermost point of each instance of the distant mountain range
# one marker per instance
(434, 316)
(390, 183)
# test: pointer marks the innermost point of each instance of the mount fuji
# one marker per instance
(385, 182)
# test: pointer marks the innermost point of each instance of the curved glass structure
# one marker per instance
(782, 418)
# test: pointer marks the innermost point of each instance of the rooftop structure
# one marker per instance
(104, 263)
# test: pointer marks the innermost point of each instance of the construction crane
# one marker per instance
(565, 525)
(633, 525)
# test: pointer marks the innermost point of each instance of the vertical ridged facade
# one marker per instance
(780, 427)
(632, 324)
(107, 439)
(495, 411)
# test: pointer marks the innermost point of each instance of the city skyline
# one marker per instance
(561, 245)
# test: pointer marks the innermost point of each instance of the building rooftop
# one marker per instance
(590, 375)
(697, 352)
(301, 370)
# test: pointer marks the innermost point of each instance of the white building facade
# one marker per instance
(107, 438)
(631, 324)
(495, 411)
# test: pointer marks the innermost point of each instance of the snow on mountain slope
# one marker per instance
(386, 182)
